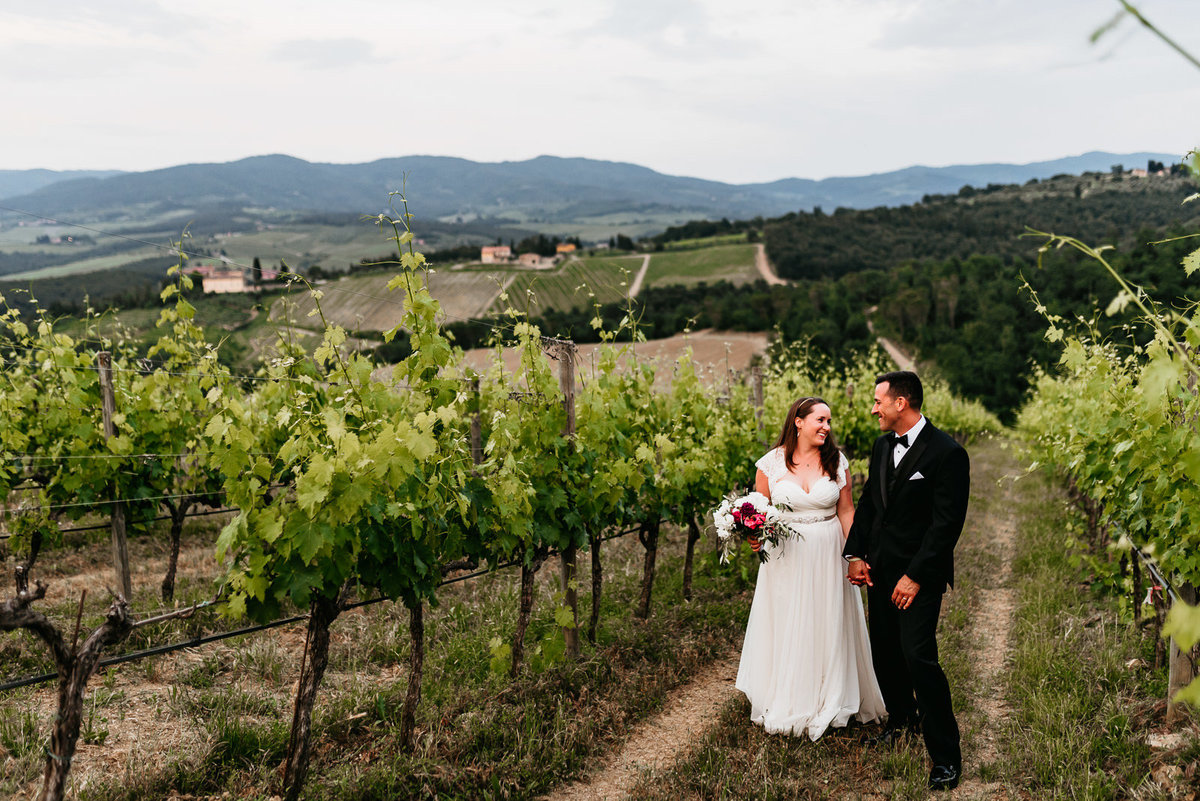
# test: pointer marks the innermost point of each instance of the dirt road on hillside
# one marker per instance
(764, 266)
(636, 286)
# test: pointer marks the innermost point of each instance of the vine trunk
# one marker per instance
(322, 613)
(597, 586)
(648, 536)
(528, 574)
(416, 666)
(693, 538)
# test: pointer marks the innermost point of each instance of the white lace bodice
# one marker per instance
(822, 496)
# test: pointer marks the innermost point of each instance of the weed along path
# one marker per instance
(656, 744)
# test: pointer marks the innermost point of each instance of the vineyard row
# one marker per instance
(346, 486)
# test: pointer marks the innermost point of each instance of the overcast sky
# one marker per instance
(730, 91)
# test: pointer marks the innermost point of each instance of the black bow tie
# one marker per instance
(900, 440)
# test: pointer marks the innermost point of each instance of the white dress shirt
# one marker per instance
(912, 433)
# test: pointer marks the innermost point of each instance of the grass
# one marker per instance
(1082, 705)
(733, 263)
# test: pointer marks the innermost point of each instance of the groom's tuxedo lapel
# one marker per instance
(883, 452)
(908, 465)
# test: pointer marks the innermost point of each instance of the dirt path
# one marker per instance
(636, 286)
(764, 266)
(903, 360)
(994, 533)
(658, 742)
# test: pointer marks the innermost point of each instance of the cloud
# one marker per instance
(946, 24)
(144, 16)
(679, 28)
(322, 54)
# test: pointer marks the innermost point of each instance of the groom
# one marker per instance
(901, 547)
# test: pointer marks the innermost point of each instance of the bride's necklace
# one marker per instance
(809, 461)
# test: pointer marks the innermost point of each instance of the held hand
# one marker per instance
(859, 573)
(906, 590)
(755, 544)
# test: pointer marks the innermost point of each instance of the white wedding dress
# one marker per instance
(806, 659)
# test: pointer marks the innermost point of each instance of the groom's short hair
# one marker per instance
(903, 384)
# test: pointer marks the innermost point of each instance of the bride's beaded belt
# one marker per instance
(796, 517)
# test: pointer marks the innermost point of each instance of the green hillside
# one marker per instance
(1098, 207)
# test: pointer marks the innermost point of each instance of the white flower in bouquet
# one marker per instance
(751, 518)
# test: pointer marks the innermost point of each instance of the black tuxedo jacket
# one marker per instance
(911, 530)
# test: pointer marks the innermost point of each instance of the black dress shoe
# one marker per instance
(944, 777)
(891, 735)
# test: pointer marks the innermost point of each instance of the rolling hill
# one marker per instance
(546, 190)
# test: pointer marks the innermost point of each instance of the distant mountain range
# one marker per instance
(545, 189)
(20, 182)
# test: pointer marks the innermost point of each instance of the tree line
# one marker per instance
(1095, 207)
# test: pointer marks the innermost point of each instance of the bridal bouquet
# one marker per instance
(750, 518)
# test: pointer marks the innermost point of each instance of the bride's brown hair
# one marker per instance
(789, 439)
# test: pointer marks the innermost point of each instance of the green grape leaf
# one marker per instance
(564, 617)
(313, 485)
(1191, 262)
(1183, 623)
(1190, 694)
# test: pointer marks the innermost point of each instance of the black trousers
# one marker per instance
(905, 655)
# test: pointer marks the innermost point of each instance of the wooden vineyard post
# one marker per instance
(566, 382)
(1136, 566)
(1182, 667)
(119, 544)
(476, 425)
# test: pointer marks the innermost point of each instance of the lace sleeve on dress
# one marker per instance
(843, 470)
(771, 464)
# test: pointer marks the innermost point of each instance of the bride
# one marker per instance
(806, 660)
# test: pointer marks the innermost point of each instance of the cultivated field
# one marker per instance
(86, 265)
(733, 263)
(575, 283)
(332, 246)
(363, 302)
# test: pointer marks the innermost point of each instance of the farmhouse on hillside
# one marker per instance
(224, 281)
(221, 279)
(495, 254)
